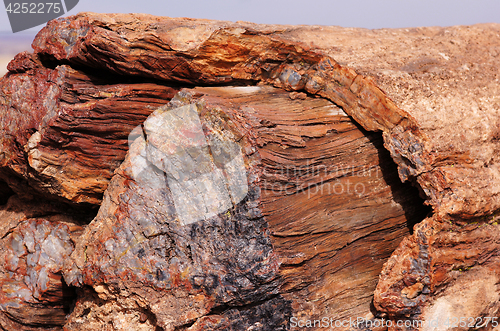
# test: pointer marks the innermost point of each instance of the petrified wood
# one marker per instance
(36, 239)
(431, 92)
(211, 52)
(242, 199)
(63, 132)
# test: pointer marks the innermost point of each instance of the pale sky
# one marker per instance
(371, 14)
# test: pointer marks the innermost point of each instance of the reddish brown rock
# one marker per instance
(36, 240)
(211, 52)
(206, 213)
(433, 92)
(443, 272)
(179, 235)
(63, 132)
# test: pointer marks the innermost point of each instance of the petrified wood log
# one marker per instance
(241, 199)
(254, 224)
(211, 52)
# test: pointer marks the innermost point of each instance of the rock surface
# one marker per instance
(63, 132)
(206, 213)
(446, 270)
(432, 92)
(36, 240)
(172, 239)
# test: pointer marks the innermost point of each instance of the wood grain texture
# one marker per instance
(427, 96)
(215, 52)
(322, 214)
(330, 193)
(64, 132)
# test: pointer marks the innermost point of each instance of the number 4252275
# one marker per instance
(33, 8)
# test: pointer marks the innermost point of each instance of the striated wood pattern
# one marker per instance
(318, 239)
(309, 233)
(63, 132)
(330, 194)
(214, 52)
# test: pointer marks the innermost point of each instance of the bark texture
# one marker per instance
(235, 204)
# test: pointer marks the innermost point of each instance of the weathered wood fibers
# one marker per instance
(444, 271)
(63, 132)
(459, 179)
(330, 194)
(214, 52)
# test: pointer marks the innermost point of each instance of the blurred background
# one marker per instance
(371, 14)
(11, 44)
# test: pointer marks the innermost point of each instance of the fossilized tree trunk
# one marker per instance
(235, 204)
(271, 200)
